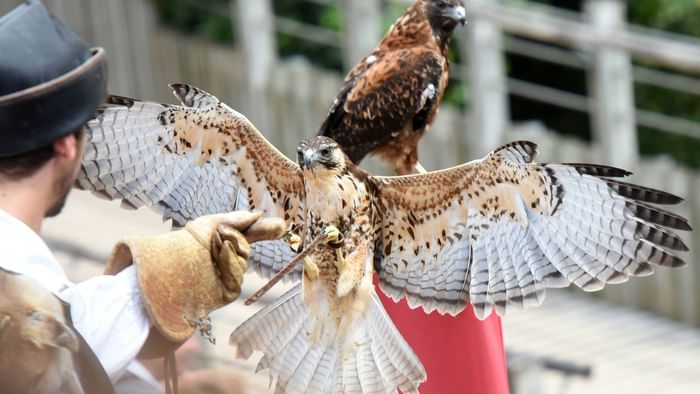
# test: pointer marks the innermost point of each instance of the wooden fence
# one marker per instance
(289, 99)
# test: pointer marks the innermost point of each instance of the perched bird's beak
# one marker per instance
(459, 14)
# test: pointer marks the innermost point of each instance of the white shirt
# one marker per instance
(106, 310)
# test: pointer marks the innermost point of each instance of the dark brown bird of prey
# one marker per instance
(494, 232)
(390, 98)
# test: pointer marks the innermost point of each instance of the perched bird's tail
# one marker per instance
(374, 359)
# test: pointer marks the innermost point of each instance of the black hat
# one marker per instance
(51, 83)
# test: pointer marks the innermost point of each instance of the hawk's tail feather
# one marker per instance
(381, 361)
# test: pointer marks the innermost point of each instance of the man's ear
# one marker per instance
(67, 147)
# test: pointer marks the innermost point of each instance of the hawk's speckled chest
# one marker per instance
(339, 200)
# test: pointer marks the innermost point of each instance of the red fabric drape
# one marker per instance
(461, 354)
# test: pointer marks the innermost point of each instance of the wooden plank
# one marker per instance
(362, 20)
(690, 297)
(168, 69)
(611, 83)
(7, 5)
(685, 280)
(287, 134)
(255, 27)
(487, 82)
(140, 22)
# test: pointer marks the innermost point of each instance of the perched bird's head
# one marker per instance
(320, 155)
(445, 14)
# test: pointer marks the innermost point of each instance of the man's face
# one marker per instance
(67, 173)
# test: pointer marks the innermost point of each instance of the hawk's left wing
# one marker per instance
(191, 160)
(498, 231)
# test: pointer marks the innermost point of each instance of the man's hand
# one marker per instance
(185, 274)
(230, 235)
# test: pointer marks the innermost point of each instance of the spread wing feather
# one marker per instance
(191, 160)
(381, 96)
(496, 232)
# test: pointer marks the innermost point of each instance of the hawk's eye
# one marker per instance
(326, 152)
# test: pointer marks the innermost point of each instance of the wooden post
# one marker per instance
(611, 85)
(142, 21)
(7, 5)
(255, 23)
(362, 24)
(487, 84)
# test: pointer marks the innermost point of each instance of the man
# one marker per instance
(50, 85)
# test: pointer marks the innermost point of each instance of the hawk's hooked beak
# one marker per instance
(307, 158)
(459, 14)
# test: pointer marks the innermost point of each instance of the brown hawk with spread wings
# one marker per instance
(494, 232)
(389, 99)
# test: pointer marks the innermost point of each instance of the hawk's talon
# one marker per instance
(334, 238)
(310, 269)
(339, 260)
(294, 241)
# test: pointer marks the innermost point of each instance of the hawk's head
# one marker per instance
(445, 14)
(321, 155)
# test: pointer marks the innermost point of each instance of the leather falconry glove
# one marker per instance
(186, 274)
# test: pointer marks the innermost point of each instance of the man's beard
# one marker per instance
(62, 188)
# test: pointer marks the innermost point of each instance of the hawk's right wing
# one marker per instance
(192, 160)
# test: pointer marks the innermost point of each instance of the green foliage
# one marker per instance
(678, 16)
(326, 56)
(684, 149)
(208, 18)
